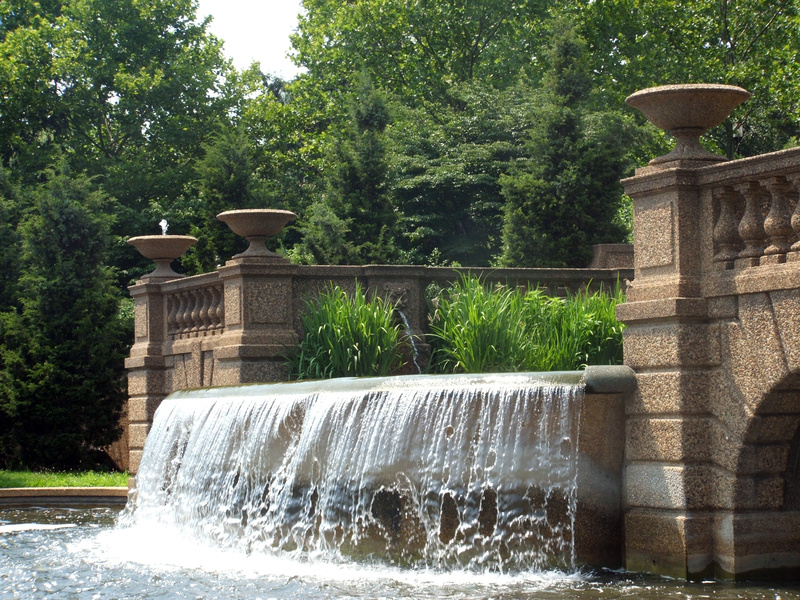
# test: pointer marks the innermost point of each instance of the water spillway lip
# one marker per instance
(377, 384)
(64, 496)
(609, 379)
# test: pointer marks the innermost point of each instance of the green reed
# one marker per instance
(345, 335)
(476, 328)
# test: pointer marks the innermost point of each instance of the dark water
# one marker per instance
(83, 557)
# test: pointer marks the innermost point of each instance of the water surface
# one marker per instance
(78, 554)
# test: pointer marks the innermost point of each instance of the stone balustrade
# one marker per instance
(195, 311)
(237, 324)
(757, 216)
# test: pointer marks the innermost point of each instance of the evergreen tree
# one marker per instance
(227, 181)
(566, 195)
(9, 251)
(61, 352)
(357, 203)
(446, 168)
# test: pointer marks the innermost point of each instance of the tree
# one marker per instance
(634, 44)
(446, 164)
(357, 203)
(128, 91)
(227, 182)
(9, 241)
(565, 195)
(61, 352)
(288, 125)
(417, 49)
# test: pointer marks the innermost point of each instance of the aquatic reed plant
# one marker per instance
(477, 328)
(346, 335)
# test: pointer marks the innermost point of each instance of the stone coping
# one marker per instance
(64, 496)
(609, 379)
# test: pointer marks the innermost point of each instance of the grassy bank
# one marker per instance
(16, 479)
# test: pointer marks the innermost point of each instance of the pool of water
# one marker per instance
(78, 554)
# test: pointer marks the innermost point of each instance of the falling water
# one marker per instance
(411, 339)
(455, 472)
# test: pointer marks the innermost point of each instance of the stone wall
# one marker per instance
(713, 318)
(235, 325)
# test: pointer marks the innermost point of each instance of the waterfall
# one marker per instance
(450, 472)
(411, 340)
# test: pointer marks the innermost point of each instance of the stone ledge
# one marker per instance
(64, 496)
(659, 310)
(609, 379)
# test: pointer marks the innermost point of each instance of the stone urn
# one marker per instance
(162, 250)
(256, 225)
(687, 111)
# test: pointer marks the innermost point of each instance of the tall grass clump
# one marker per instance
(347, 336)
(475, 328)
(574, 331)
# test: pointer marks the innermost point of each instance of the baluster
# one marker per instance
(727, 242)
(205, 320)
(212, 309)
(794, 197)
(778, 223)
(176, 298)
(194, 314)
(220, 312)
(182, 317)
(751, 227)
(172, 311)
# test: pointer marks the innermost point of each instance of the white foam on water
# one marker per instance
(163, 549)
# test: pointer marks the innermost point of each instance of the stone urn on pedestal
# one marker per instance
(687, 111)
(162, 250)
(257, 225)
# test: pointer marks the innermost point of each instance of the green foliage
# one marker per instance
(356, 205)
(477, 329)
(418, 49)
(62, 350)
(227, 181)
(128, 91)
(446, 165)
(345, 335)
(9, 242)
(572, 332)
(565, 196)
(635, 44)
(24, 479)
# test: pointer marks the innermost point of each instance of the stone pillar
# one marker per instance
(673, 485)
(145, 365)
(259, 321)
(672, 347)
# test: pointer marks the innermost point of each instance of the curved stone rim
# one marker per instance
(63, 496)
(609, 379)
(684, 87)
